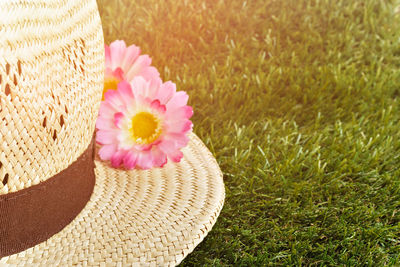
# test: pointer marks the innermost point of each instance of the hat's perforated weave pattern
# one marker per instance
(51, 75)
(147, 218)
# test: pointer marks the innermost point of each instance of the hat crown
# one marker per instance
(51, 79)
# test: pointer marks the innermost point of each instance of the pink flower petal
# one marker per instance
(184, 112)
(107, 151)
(113, 98)
(166, 92)
(159, 158)
(142, 62)
(180, 99)
(167, 146)
(117, 51)
(176, 156)
(139, 86)
(125, 89)
(106, 137)
(145, 160)
(188, 111)
(118, 73)
(131, 54)
(126, 94)
(145, 147)
(130, 160)
(180, 139)
(181, 126)
(187, 127)
(174, 141)
(117, 158)
(156, 105)
(104, 124)
(106, 110)
(150, 73)
(118, 118)
(107, 55)
(153, 88)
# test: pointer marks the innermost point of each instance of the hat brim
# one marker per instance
(144, 217)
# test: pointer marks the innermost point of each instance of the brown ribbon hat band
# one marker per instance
(32, 215)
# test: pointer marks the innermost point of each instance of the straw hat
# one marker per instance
(59, 204)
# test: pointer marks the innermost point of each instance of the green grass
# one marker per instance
(299, 102)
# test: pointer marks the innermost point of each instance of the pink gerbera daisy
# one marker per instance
(125, 63)
(143, 123)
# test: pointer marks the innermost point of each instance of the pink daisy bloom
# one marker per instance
(143, 123)
(125, 63)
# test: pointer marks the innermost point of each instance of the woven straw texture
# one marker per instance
(51, 79)
(146, 218)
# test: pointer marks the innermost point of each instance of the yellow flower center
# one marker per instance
(110, 83)
(145, 128)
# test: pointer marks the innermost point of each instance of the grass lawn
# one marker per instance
(299, 102)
